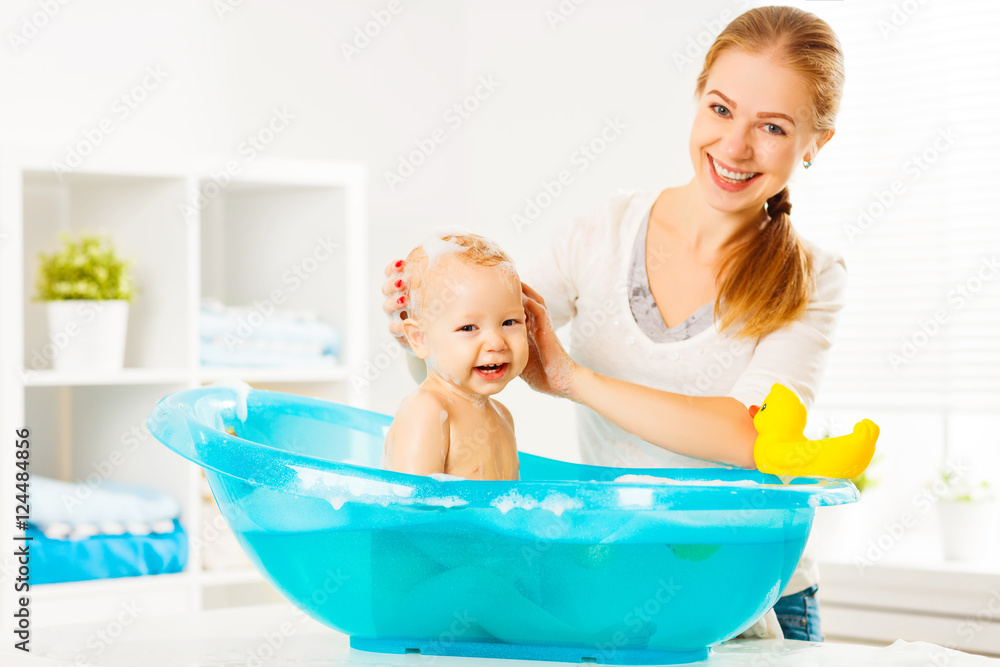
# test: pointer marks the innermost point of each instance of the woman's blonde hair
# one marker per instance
(767, 279)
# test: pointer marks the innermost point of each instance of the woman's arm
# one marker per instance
(715, 428)
(712, 428)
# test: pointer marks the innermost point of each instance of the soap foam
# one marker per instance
(442, 477)
(436, 247)
(733, 483)
(557, 503)
(514, 499)
(450, 501)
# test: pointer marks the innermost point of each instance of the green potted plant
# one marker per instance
(967, 510)
(87, 289)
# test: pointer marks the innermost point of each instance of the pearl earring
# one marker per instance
(807, 164)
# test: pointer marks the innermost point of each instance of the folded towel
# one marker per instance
(237, 324)
(217, 355)
(56, 502)
(102, 555)
(82, 531)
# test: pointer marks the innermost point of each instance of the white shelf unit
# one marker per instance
(289, 233)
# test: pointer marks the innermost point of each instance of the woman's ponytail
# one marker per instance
(779, 204)
(766, 282)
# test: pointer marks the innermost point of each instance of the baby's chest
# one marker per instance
(483, 448)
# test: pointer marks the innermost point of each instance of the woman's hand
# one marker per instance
(396, 298)
(550, 369)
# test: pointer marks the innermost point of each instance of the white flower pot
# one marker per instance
(87, 335)
(966, 528)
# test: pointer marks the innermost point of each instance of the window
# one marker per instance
(909, 192)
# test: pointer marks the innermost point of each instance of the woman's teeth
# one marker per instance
(732, 176)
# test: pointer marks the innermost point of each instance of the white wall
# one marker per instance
(224, 69)
(560, 72)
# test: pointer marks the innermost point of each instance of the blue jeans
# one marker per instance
(798, 615)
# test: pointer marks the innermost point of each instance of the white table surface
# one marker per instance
(278, 635)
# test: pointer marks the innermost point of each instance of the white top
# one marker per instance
(583, 277)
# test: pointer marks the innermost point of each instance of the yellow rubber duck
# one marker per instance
(782, 449)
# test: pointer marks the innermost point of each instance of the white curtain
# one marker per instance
(909, 192)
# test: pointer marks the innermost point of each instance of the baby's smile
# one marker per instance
(492, 371)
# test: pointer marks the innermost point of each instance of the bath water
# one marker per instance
(456, 585)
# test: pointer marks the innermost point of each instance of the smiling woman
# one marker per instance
(689, 303)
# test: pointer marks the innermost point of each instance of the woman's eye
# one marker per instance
(721, 110)
(774, 129)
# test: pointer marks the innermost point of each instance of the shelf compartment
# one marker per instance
(93, 434)
(142, 217)
(279, 248)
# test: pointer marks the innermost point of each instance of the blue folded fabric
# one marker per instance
(218, 355)
(53, 501)
(105, 556)
(219, 322)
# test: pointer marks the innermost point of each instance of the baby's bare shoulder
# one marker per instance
(503, 412)
(423, 404)
(418, 440)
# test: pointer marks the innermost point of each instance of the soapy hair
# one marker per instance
(423, 262)
(766, 282)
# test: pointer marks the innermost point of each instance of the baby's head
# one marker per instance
(466, 316)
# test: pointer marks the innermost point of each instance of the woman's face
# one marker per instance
(751, 128)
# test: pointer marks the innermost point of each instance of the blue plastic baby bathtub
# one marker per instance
(572, 562)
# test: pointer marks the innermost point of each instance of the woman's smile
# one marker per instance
(729, 178)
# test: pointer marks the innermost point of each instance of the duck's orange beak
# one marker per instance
(754, 409)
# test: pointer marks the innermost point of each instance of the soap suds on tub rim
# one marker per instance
(241, 389)
(443, 477)
(667, 481)
(557, 503)
(449, 501)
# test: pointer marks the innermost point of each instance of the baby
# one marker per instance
(466, 320)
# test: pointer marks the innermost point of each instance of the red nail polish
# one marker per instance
(399, 263)
(401, 300)
(398, 284)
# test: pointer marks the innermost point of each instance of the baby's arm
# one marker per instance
(418, 441)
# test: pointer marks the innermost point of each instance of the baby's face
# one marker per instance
(473, 323)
